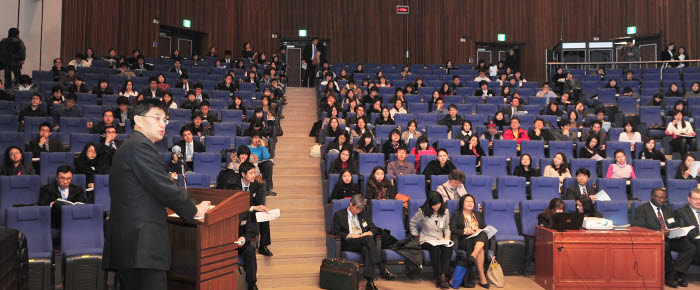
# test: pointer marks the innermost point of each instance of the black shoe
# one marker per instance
(387, 275)
(681, 282)
(371, 286)
(253, 287)
(271, 193)
(264, 251)
(671, 283)
(487, 286)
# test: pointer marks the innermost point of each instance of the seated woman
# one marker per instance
(559, 168)
(241, 156)
(434, 219)
(620, 169)
(422, 148)
(584, 205)
(453, 188)
(464, 223)
(546, 217)
(649, 151)
(684, 169)
(398, 108)
(441, 166)
(591, 149)
(410, 132)
(525, 168)
(343, 162)
(340, 142)
(332, 130)
(379, 186)
(464, 133)
(392, 145)
(682, 133)
(385, 118)
(345, 187)
(14, 163)
(91, 163)
(473, 147)
(364, 145)
(360, 129)
(630, 135)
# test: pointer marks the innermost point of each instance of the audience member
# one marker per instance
(464, 223)
(453, 188)
(546, 218)
(91, 162)
(434, 219)
(345, 187)
(379, 186)
(14, 163)
(620, 169)
(400, 166)
(525, 168)
(441, 166)
(265, 161)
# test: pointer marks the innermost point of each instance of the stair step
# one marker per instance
(292, 202)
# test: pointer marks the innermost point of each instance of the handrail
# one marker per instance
(650, 64)
(625, 62)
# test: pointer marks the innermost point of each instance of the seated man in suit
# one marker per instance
(123, 112)
(177, 67)
(688, 216)
(63, 189)
(188, 145)
(153, 91)
(32, 110)
(357, 233)
(198, 89)
(514, 107)
(141, 65)
(107, 120)
(538, 133)
(69, 110)
(265, 161)
(109, 143)
(245, 181)
(44, 143)
(581, 188)
(207, 113)
(184, 82)
(658, 216)
(229, 84)
(227, 60)
(484, 90)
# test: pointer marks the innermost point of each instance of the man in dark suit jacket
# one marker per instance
(62, 189)
(657, 215)
(141, 65)
(357, 233)
(229, 84)
(307, 57)
(484, 90)
(227, 60)
(688, 216)
(247, 232)
(177, 67)
(184, 83)
(44, 143)
(245, 181)
(153, 91)
(108, 143)
(514, 107)
(187, 133)
(136, 235)
(581, 187)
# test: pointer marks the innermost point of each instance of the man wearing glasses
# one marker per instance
(109, 143)
(689, 215)
(136, 235)
(44, 142)
(62, 189)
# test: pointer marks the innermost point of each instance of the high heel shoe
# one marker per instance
(487, 286)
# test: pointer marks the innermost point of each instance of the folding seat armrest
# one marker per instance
(58, 260)
(333, 246)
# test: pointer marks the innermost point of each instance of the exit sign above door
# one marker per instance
(401, 9)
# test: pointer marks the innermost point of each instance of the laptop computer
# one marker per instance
(567, 221)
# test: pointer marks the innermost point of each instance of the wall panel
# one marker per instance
(370, 31)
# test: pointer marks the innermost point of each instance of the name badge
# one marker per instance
(671, 220)
(442, 224)
(364, 224)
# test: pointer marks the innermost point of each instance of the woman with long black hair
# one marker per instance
(434, 219)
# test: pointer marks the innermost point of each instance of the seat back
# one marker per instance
(8, 139)
(465, 163)
(217, 143)
(195, 180)
(647, 168)
(35, 223)
(367, 161)
(436, 131)
(533, 147)
(565, 147)
(616, 188)
(612, 146)
(671, 169)
(493, 166)
(508, 148)
(412, 185)
(587, 163)
(81, 229)
(8, 123)
(207, 163)
(479, 187)
(437, 180)
(499, 214)
(73, 125)
(678, 189)
(79, 140)
(615, 210)
(102, 191)
(388, 214)
(453, 146)
(529, 209)
(50, 161)
(226, 129)
(184, 115)
(544, 188)
(511, 187)
(641, 188)
(424, 160)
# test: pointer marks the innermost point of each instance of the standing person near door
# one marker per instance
(12, 54)
(312, 55)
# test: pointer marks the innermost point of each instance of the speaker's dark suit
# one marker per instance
(366, 245)
(644, 216)
(574, 191)
(136, 235)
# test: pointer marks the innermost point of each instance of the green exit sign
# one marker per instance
(501, 37)
(631, 29)
(302, 32)
(186, 23)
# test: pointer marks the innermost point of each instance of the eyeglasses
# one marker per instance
(158, 119)
(695, 199)
(65, 178)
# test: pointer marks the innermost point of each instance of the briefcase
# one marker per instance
(511, 255)
(339, 274)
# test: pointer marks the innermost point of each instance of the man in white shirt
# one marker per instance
(482, 77)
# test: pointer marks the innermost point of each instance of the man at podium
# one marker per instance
(136, 235)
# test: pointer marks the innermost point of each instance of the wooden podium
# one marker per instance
(204, 255)
(596, 259)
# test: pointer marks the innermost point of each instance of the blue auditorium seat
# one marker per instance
(207, 163)
(499, 214)
(544, 188)
(82, 241)
(480, 187)
(35, 223)
(411, 185)
(50, 161)
(511, 187)
(678, 189)
(616, 188)
(615, 210)
(196, 180)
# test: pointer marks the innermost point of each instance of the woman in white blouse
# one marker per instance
(398, 108)
(682, 133)
(411, 132)
(128, 89)
(630, 135)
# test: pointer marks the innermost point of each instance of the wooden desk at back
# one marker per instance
(632, 258)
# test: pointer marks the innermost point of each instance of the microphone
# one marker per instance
(177, 150)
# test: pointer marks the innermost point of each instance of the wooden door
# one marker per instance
(164, 45)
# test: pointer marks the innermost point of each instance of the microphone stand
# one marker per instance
(182, 166)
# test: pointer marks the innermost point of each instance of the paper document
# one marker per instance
(448, 243)
(489, 230)
(621, 227)
(694, 168)
(270, 215)
(602, 196)
(679, 232)
(598, 157)
(174, 215)
(304, 66)
(66, 202)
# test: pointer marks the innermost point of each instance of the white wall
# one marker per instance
(43, 40)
